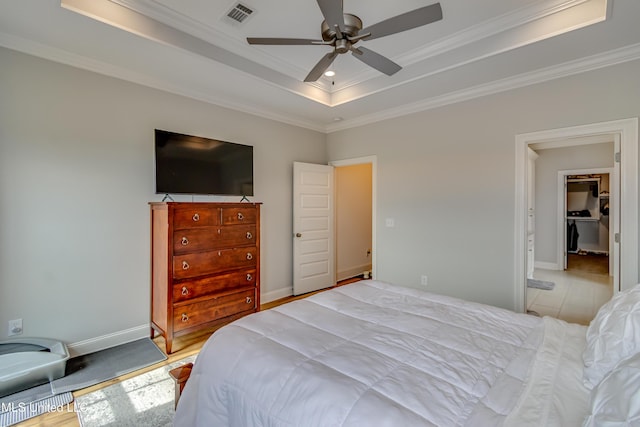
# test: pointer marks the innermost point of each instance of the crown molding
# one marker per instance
(483, 30)
(161, 13)
(489, 28)
(594, 62)
(564, 20)
(506, 32)
(64, 57)
(590, 63)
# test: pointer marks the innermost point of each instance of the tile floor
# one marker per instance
(576, 298)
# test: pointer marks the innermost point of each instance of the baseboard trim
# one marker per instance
(110, 340)
(275, 295)
(547, 266)
(353, 272)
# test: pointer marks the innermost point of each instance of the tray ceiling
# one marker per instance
(192, 48)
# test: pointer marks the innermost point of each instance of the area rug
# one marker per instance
(540, 284)
(144, 400)
(84, 371)
(15, 413)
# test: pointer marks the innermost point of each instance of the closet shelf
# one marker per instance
(582, 218)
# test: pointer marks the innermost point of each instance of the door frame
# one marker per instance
(627, 129)
(373, 160)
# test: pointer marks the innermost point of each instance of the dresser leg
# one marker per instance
(168, 344)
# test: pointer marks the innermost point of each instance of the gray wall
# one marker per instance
(548, 164)
(76, 174)
(447, 178)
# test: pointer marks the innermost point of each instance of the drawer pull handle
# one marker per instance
(184, 241)
(249, 256)
(185, 291)
(185, 318)
(249, 300)
(249, 235)
(196, 217)
(185, 265)
(249, 277)
(240, 216)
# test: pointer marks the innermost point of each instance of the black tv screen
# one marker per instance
(188, 164)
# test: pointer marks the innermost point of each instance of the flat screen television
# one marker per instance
(188, 164)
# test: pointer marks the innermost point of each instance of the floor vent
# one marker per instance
(239, 13)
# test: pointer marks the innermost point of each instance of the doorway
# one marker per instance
(315, 227)
(584, 216)
(625, 249)
(353, 221)
(355, 243)
(574, 233)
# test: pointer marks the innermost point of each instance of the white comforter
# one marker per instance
(367, 354)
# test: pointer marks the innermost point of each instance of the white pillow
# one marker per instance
(616, 400)
(612, 336)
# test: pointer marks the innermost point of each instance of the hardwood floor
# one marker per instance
(186, 346)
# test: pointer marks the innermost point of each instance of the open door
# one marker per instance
(313, 227)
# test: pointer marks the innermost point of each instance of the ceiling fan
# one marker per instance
(343, 30)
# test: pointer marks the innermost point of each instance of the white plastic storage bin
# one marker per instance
(24, 369)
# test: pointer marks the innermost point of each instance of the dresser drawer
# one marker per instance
(189, 217)
(207, 238)
(196, 288)
(186, 316)
(238, 216)
(202, 263)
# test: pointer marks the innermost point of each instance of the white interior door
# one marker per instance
(313, 227)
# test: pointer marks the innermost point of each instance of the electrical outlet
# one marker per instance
(423, 280)
(15, 327)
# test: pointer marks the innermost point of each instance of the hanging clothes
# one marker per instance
(572, 236)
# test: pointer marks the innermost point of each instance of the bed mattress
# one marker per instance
(370, 353)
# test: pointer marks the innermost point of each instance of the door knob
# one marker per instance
(298, 235)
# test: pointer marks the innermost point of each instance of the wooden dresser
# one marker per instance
(205, 265)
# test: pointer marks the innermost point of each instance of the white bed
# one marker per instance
(376, 354)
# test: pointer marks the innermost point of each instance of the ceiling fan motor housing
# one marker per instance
(352, 25)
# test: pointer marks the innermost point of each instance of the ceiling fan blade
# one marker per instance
(281, 41)
(332, 12)
(375, 60)
(321, 66)
(406, 21)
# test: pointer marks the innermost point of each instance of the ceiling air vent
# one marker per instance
(239, 13)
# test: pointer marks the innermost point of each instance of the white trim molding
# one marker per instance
(547, 265)
(275, 295)
(110, 340)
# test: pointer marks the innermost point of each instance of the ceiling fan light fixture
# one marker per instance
(329, 73)
(343, 30)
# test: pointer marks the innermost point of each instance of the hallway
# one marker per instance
(579, 292)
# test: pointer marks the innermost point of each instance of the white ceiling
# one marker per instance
(189, 47)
